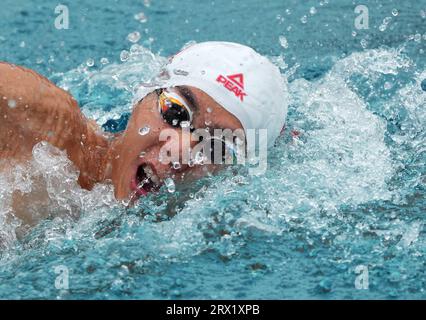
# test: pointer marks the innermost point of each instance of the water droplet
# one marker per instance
(124, 55)
(147, 3)
(180, 72)
(90, 62)
(176, 165)
(209, 110)
(199, 158)
(175, 122)
(134, 37)
(207, 122)
(11, 103)
(364, 43)
(22, 44)
(312, 10)
(144, 130)
(283, 42)
(304, 19)
(203, 72)
(388, 85)
(170, 185)
(104, 61)
(354, 33)
(141, 17)
(387, 20)
(185, 124)
(164, 75)
(395, 12)
(417, 37)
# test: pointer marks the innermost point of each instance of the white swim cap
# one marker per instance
(242, 81)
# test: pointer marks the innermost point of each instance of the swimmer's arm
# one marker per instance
(33, 109)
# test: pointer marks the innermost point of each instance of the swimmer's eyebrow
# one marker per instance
(189, 97)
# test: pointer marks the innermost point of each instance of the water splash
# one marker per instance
(330, 192)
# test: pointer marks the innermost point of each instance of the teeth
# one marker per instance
(150, 174)
(148, 170)
(155, 179)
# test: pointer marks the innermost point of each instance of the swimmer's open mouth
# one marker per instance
(145, 180)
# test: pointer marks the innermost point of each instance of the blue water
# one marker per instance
(349, 191)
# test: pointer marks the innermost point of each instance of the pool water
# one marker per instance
(343, 199)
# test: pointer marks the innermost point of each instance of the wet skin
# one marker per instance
(32, 109)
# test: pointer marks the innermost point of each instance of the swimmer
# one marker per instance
(222, 84)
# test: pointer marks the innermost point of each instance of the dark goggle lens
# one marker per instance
(175, 114)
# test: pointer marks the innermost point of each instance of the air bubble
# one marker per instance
(104, 61)
(395, 12)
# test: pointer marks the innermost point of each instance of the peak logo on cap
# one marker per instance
(234, 83)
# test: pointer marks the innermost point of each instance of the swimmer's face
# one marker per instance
(136, 155)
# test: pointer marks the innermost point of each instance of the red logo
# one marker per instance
(234, 83)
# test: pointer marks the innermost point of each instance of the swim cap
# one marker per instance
(242, 81)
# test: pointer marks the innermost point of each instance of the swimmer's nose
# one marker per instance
(171, 155)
